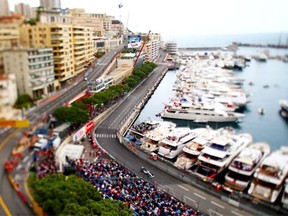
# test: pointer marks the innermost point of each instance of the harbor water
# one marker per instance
(270, 84)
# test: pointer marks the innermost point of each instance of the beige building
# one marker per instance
(83, 47)
(34, 70)
(106, 44)
(9, 34)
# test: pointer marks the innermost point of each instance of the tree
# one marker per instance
(69, 195)
(23, 101)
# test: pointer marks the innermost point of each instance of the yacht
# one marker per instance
(284, 199)
(242, 168)
(137, 132)
(215, 157)
(269, 178)
(172, 145)
(192, 150)
(152, 138)
(201, 114)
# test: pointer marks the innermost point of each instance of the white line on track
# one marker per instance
(236, 213)
(200, 196)
(184, 188)
(217, 204)
(214, 212)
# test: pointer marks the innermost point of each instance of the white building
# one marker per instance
(50, 4)
(171, 47)
(152, 47)
(34, 70)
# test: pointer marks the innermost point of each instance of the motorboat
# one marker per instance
(215, 157)
(172, 145)
(284, 104)
(269, 177)
(152, 138)
(242, 168)
(192, 149)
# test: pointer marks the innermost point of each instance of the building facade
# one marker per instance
(9, 35)
(152, 47)
(4, 8)
(50, 4)
(34, 70)
(24, 9)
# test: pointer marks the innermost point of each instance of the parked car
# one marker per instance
(147, 172)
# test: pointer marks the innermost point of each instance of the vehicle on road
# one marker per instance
(147, 172)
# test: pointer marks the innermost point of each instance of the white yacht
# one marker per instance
(215, 157)
(152, 138)
(192, 149)
(242, 168)
(172, 145)
(269, 178)
(284, 199)
(201, 114)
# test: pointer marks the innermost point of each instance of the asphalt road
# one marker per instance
(10, 201)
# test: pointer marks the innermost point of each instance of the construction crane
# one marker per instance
(139, 53)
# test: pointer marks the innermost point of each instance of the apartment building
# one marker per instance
(9, 34)
(33, 68)
(152, 47)
(83, 47)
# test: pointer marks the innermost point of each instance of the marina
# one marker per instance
(230, 160)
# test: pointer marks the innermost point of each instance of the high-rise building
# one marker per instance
(4, 8)
(152, 47)
(51, 4)
(23, 9)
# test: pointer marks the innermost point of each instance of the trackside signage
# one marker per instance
(83, 131)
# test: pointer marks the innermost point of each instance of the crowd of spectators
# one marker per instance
(45, 162)
(116, 182)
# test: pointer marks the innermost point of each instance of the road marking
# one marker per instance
(8, 138)
(4, 207)
(200, 196)
(184, 188)
(236, 213)
(217, 204)
(214, 212)
(186, 197)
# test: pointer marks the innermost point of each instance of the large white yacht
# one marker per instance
(152, 138)
(215, 157)
(201, 114)
(269, 178)
(242, 168)
(172, 145)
